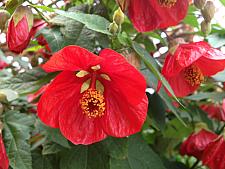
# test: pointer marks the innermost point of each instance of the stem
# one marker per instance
(221, 130)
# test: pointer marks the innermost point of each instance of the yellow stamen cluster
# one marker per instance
(193, 75)
(167, 3)
(93, 103)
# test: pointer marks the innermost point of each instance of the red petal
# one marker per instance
(18, 36)
(180, 86)
(147, 15)
(76, 126)
(122, 117)
(71, 58)
(212, 62)
(33, 96)
(124, 77)
(214, 111)
(213, 156)
(4, 161)
(55, 98)
(196, 143)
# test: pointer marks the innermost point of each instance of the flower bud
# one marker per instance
(208, 11)
(4, 16)
(118, 16)
(199, 3)
(206, 27)
(18, 34)
(113, 28)
(11, 5)
(3, 98)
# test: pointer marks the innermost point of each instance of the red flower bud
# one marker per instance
(4, 161)
(196, 143)
(18, 34)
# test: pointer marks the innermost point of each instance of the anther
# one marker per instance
(193, 75)
(167, 3)
(93, 103)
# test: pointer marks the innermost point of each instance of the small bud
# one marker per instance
(208, 11)
(205, 27)
(118, 16)
(113, 28)
(199, 3)
(3, 98)
(4, 16)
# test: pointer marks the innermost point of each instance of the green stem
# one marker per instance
(195, 164)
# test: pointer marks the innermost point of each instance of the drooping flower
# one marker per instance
(4, 161)
(213, 156)
(187, 68)
(94, 96)
(148, 15)
(215, 111)
(196, 143)
(18, 33)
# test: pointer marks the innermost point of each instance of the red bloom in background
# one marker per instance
(38, 25)
(3, 64)
(196, 143)
(148, 15)
(213, 156)
(186, 69)
(93, 96)
(4, 161)
(215, 111)
(18, 35)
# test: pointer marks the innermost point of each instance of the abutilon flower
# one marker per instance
(196, 143)
(4, 161)
(148, 15)
(215, 111)
(187, 68)
(213, 156)
(18, 33)
(94, 96)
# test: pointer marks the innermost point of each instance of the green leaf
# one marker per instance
(93, 22)
(216, 96)
(85, 157)
(17, 128)
(157, 110)
(140, 156)
(26, 82)
(216, 40)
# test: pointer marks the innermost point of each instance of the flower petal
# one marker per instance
(148, 15)
(212, 62)
(180, 86)
(76, 126)
(4, 161)
(124, 77)
(60, 91)
(71, 58)
(122, 118)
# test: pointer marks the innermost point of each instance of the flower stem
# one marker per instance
(195, 164)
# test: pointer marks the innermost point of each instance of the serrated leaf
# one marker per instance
(140, 156)
(26, 82)
(85, 157)
(17, 129)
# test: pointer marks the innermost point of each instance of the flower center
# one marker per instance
(93, 103)
(193, 75)
(167, 3)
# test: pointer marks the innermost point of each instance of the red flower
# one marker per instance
(93, 96)
(38, 25)
(4, 161)
(186, 68)
(148, 15)
(213, 156)
(215, 111)
(3, 64)
(18, 36)
(196, 143)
